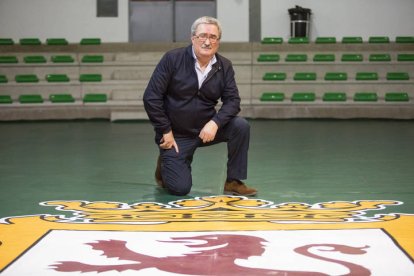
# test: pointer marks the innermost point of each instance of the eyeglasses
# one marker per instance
(203, 37)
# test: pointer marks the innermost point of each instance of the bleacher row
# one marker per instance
(265, 40)
(301, 78)
(49, 41)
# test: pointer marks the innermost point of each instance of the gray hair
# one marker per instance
(205, 20)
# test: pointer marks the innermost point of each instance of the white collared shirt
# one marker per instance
(200, 74)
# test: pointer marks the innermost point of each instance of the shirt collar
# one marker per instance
(212, 61)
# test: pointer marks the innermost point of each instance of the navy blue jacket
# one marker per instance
(174, 102)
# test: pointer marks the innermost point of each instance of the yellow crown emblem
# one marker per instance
(219, 208)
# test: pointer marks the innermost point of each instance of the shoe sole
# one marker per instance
(238, 194)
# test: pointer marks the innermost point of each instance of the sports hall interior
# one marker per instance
(331, 113)
(331, 153)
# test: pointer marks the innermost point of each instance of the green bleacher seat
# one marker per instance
(352, 57)
(398, 76)
(90, 78)
(379, 39)
(272, 40)
(34, 59)
(304, 76)
(62, 59)
(30, 98)
(296, 58)
(3, 79)
(404, 39)
(325, 40)
(93, 58)
(379, 57)
(336, 76)
(8, 59)
(324, 57)
(277, 76)
(303, 97)
(90, 41)
(95, 98)
(56, 41)
(30, 41)
(26, 78)
(268, 57)
(5, 99)
(57, 78)
(61, 98)
(396, 97)
(6, 41)
(405, 57)
(298, 40)
(364, 76)
(365, 97)
(334, 97)
(272, 97)
(352, 39)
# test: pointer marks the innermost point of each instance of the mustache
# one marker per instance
(206, 47)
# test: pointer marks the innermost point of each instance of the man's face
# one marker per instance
(206, 40)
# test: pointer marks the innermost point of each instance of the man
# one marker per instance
(180, 101)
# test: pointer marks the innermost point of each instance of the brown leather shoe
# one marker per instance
(236, 187)
(158, 176)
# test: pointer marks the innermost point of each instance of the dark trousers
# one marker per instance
(176, 167)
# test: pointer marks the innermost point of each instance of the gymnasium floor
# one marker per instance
(316, 178)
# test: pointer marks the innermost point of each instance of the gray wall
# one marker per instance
(76, 19)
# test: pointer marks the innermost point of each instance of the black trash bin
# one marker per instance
(299, 21)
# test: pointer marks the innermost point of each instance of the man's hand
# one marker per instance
(168, 141)
(209, 131)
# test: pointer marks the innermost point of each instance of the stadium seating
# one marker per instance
(276, 78)
(380, 57)
(3, 79)
(396, 97)
(34, 59)
(379, 39)
(95, 98)
(352, 57)
(296, 58)
(268, 57)
(57, 78)
(61, 98)
(325, 40)
(5, 99)
(62, 59)
(352, 39)
(336, 76)
(93, 59)
(272, 97)
(324, 58)
(365, 97)
(26, 78)
(303, 97)
(334, 97)
(6, 41)
(90, 78)
(304, 76)
(90, 41)
(272, 40)
(56, 41)
(30, 98)
(30, 41)
(8, 59)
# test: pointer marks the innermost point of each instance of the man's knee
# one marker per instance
(241, 125)
(180, 190)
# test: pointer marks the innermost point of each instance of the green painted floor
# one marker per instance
(306, 161)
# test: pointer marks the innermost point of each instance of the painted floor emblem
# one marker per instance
(216, 235)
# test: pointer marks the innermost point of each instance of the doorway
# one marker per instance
(166, 20)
